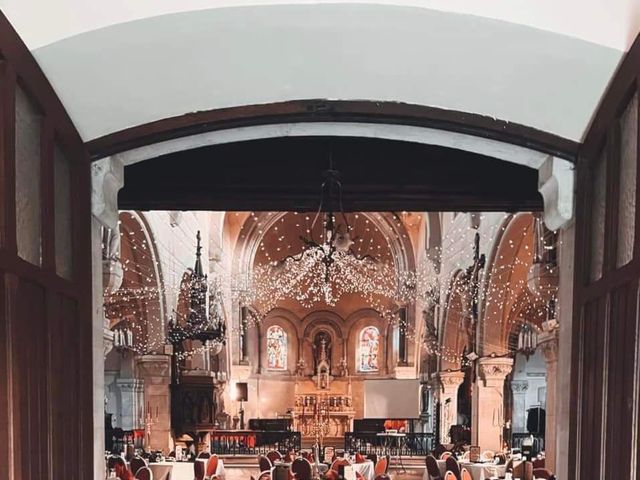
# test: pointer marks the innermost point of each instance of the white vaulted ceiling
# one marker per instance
(121, 63)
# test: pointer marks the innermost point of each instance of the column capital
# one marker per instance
(494, 370)
(107, 336)
(107, 178)
(519, 386)
(130, 384)
(450, 381)
(548, 345)
(154, 365)
(556, 185)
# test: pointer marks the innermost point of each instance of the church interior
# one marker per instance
(319, 239)
(441, 325)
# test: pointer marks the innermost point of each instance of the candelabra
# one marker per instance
(320, 420)
(148, 424)
(123, 339)
(498, 420)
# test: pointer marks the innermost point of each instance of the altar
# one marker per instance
(335, 403)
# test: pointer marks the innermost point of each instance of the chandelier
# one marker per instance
(327, 268)
(208, 327)
(527, 340)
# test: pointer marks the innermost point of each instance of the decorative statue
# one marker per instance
(323, 376)
(321, 346)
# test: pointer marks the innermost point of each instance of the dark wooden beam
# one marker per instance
(285, 174)
(320, 110)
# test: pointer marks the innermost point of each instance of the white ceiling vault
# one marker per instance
(121, 63)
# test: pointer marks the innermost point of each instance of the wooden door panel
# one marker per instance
(46, 407)
(604, 429)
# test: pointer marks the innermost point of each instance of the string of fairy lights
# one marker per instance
(504, 280)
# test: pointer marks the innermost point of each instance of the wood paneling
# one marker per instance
(46, 408)
(604, 426)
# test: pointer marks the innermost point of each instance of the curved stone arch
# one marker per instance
(155, 257)
(257, 224)
(503, 269)
(526, 308)
(388, 223)
(357, 321)
(289, 323)
(452, 332)
(146, 310)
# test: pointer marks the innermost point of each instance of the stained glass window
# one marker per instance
(368, 346)
(276, 348)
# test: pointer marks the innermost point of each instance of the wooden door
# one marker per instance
(46, 407)
(606, 342)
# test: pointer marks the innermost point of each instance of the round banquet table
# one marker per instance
(478, 471)
(179, 470)
(366, 469)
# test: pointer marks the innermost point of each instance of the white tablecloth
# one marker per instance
(180, 470)
(366, 469)
(478, 471)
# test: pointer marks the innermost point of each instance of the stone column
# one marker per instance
(450, 382)
(519, 389)
(131, 392)
(548, 344)
(155, 370)
(488, 402)
(107, 177)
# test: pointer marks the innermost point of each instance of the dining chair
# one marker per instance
(465, 475)
(542, 473)
(445, 455)
(439, 450)
(528, 471)
(453, 466)
(111, 461)
(331, 475)
(432, 468)
(538, 463)
(266, 475)
(339, 462)
(137, 463)
(144, 473)
(301, 469)
(264, 463)
(382, 466)
(199, 470)
(212, 465)
(274, 455)
(449, 476)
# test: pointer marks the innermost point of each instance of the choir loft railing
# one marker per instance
(252, 442)
(518, 438)
(411, 445)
